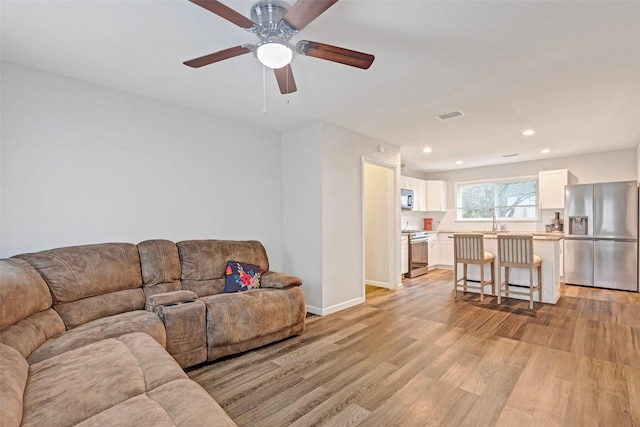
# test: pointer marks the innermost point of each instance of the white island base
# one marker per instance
(546, 248)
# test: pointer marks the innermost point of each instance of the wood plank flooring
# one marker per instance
(417, 357)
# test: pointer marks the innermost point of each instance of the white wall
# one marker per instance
(342, 212)
(323, 212)
(82, 164)
(599, 167)
(302, 209)
(379, 213)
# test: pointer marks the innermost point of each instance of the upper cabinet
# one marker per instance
(427, 195)
(551, 188)
(436, 196)
(419, 188)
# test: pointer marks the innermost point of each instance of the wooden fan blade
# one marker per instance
(305, 11)
(286, 83)
(335, 54)
(218, 56)
(225, 12)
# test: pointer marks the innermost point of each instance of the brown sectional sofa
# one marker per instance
(97, 334)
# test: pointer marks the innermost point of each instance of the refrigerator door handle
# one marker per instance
(615, 240)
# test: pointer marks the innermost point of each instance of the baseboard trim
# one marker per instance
(334, 308)
(379, 284)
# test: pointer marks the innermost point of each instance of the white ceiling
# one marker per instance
(570, 70)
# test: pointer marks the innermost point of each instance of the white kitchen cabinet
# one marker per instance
(419, 187)
(551, 188)
(434, 251)
(404, 254)
(436, 195)
(561, 261)
(406, 182)
(446, 249)
(420, 196)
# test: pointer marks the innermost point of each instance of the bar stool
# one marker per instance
(517, 251)
(468, 248)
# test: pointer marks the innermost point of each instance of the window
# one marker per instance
(514, 199)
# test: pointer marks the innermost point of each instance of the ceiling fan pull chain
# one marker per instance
(264, 89)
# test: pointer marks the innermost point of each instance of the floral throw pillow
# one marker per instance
(241, 277)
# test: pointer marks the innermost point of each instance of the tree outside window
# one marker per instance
(514, 199)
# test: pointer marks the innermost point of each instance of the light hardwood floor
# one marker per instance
(417, 357)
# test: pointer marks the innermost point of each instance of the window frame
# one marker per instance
(496, 182)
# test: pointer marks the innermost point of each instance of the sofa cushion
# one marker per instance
(236, 322)
(161, 407)
(26, 317)
(160, 266)
(14, 370)
(107, 327)
(241, 276)
(30, 333)
(204, 262)
(91, 281)
(79, 384)
(23, 292)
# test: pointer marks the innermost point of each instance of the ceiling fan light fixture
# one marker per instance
(274, 53)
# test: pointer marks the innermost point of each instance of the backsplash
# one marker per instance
(415, 220)
(447, 221)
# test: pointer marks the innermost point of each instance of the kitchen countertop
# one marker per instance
(537, 235)
(413, 231)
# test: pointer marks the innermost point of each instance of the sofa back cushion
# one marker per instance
(23, 292)
(204, 262)
(160, 266)
(26, 317)
(92, 281)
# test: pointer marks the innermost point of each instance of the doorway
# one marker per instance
(381, 243)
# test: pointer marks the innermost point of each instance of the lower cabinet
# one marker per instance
(561, 261)
(434, 251)
(446, 249)
(404, 254)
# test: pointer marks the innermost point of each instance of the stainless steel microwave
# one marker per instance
(406, 198)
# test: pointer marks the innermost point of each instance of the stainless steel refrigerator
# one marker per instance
(601, 235)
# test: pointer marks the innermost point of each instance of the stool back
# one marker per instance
(515, 250)
(468, 247)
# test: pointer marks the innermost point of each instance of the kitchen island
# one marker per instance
(545, 245)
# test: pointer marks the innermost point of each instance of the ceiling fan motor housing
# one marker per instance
(267, 15)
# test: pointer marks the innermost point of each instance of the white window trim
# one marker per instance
(498, 181)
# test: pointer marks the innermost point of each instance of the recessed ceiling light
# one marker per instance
(426, 150)
(545, 151)
(528, 132)
(459, 162)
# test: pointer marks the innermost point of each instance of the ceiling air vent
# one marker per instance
(451, 115)
(510, 155)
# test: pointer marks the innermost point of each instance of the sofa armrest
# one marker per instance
(168, 298)
(271, 279)
(185, 323)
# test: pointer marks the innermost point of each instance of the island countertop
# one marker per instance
(537, 235)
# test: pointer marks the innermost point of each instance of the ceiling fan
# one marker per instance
(275, 22)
